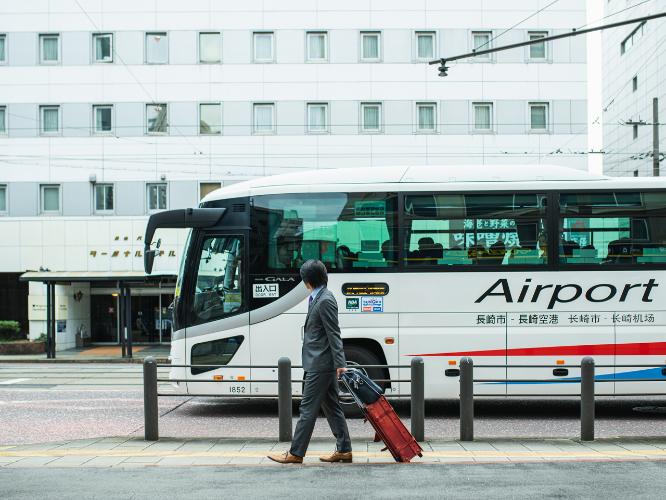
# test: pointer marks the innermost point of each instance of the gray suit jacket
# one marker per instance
(322, 343)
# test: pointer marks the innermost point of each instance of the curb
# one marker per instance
(82, 361)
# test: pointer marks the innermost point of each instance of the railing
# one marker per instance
(587, 391)
(285, 397)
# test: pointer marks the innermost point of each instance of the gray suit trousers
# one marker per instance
(320, 391)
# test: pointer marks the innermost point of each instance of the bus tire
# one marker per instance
(355, 356)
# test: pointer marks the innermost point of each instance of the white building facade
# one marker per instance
(110, 111)
(634, 73)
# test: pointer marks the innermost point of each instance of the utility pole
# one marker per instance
(655, 137)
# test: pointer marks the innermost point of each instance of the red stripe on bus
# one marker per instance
(630, 349)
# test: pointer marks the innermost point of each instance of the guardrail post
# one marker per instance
(418, 403)
(466, 399)
(150, 413)
(587, 399)
(284, 399)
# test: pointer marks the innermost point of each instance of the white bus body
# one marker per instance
(513, 266)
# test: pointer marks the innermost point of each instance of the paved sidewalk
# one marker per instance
(135, 452)
(93, 354)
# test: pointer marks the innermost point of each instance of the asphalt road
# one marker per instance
(41, 403)
(606, 480)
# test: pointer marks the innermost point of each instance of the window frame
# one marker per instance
(95, 36)
(257, 60)
(42, 188)
(145, 46)
(546, 52)
(4, 186)
(166, 194)
(419, 33)
(219, 43)
(362, 127)
(475, 129)
(42, 37)
(5, 121)
(531, 129)
(362, 35)
(44, 107)
(485, 57)
(95, 107)
(3, 61)
(417, 127)
(255, 107)
(104, 211)
(149, 132)
(308, 128)
(219, 105)
(310, 34)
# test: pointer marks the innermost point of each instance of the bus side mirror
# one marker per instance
(148, 260)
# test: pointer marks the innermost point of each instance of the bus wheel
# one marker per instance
(360, 356)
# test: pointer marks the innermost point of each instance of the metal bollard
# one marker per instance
(418, 402)
(150, 413)
(284, 399)
(587, 399)
(466, 399)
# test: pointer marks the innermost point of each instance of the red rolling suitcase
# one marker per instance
(388, 426)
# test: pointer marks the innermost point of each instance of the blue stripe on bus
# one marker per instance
(636, 374)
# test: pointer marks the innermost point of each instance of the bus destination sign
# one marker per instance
(365, 289)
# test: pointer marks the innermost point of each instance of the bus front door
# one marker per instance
(217, 335)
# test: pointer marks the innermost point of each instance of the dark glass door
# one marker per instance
(104, 318)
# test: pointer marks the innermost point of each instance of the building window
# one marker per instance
(157, 48)
(156, 119)
(263, 47)
(264, 118)
(634, 83)
(49, 117)
(538, 117)
(210, 48)
(537, 50)
(49, 49)
(483, 116)
(481, 41)
(370, 46)
(632, 38)
(157, 197)
(3, 120)
(371, 117)
(317, 46)
(425, 45)
(103, 116)
(317, 117)
(3, 198)
(426, 117)
(634, 129)
(103, 197)
(50, 198)
(205, 188)
(3, 49)
(210, 119)
(103, 47)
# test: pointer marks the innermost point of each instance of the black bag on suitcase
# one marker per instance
(365, 389)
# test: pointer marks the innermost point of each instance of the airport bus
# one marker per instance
(511, 265)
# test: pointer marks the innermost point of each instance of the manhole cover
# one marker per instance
(650, 409)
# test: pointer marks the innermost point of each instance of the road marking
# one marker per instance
(13, 381)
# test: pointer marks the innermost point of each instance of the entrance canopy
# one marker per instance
(124, 279)
(91, 276)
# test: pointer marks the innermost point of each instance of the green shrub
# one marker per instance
(10, 330)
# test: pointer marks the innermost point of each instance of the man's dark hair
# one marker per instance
(313, 273)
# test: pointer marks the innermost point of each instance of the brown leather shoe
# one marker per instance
(286, 458)
(337, 456)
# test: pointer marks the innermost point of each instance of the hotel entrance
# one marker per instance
(150, 315)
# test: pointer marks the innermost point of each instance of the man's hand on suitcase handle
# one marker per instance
(340, 371)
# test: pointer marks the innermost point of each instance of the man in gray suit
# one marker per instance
(323, 363)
